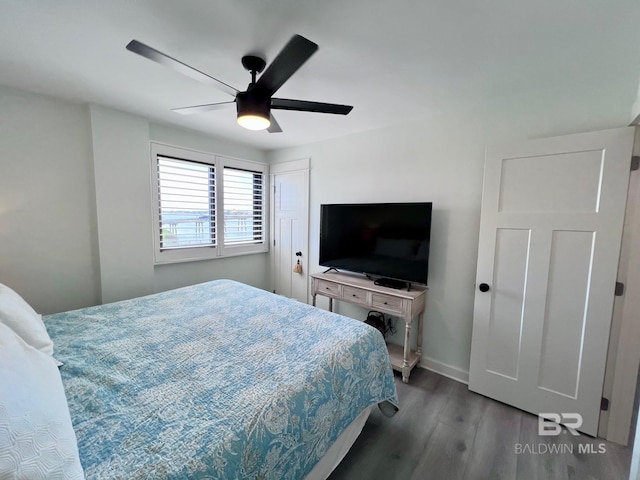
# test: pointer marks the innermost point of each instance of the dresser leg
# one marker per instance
(406, 369)
(419, 344)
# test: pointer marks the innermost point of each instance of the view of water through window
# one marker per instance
(188, 204)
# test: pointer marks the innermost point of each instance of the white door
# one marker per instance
(290, 204)
(550, 231)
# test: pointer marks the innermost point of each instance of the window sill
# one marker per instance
(169, 257)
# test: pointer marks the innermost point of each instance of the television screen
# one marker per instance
(388, 240)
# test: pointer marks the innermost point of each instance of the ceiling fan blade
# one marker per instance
(163, 59)
(275, 126)
(289, 60)
(202, 108)
(305, 106)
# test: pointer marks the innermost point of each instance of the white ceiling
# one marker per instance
(392, 60)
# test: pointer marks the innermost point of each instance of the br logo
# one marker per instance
(549, 423)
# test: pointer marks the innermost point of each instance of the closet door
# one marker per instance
(551, 226)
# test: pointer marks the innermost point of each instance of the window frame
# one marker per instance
(218, 162)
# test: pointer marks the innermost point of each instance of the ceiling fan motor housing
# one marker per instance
(248, 103)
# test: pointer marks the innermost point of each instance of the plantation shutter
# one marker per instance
(186, 203)
(243, 200)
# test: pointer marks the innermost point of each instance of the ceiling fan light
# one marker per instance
(253, 110)
(253, 122)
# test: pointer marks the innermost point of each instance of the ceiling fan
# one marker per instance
(253, 105)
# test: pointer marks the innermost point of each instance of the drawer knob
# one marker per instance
(354, 294)
(385, 303)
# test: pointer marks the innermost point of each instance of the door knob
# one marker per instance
(483, 287)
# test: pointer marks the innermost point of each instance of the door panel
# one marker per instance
(284, 258)
(505, 325)
(566, 312)
(551, 224)
(566, 182)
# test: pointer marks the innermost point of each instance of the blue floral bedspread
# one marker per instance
(215, 381)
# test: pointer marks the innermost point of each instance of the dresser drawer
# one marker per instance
(328, 289)
(385, 302)
(354, 295)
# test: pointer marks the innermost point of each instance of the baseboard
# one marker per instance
(445, 370)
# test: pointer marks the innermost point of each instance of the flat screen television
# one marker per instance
(387, 241)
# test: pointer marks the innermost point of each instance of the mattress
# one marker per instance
(217, 380)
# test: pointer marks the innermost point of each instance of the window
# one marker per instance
(206, 206)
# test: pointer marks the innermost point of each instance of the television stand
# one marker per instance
(391, 283)
(361, 291)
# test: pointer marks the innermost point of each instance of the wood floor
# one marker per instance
(443, 431)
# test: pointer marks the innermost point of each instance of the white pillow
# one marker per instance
(37, 440)
(22, 319)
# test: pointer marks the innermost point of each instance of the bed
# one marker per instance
(217, 380)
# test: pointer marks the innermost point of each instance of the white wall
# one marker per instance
(123, 203)
(635, 110)
(48, 236)
(439, 160)
(75, 211)
(196, 141)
